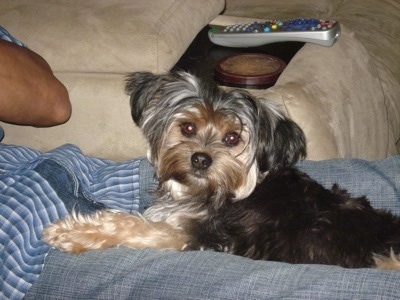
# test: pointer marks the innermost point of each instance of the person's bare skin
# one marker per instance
(30, 94)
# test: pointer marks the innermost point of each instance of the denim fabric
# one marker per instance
(122, 273)
(379, 180)
(67, 189)
(36, 189)
(5, 35)
(148, 185)
(149, 274)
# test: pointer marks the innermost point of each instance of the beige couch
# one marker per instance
(346, 97)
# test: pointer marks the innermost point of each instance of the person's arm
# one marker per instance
(30, 94)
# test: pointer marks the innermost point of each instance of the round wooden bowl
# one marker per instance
(249, 70)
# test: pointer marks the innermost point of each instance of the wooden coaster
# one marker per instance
(249, 70)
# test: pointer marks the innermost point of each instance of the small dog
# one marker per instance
(224, 161)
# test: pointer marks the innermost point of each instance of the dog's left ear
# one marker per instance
(281, 141)
(142, 87)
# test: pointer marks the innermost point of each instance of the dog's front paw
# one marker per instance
(78, 233)
(106, 229)
(59, 237)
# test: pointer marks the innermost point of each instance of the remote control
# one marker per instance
(314, 31)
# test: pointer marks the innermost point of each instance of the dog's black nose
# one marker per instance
(201, 161)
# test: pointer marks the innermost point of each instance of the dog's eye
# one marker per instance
(232, 139)
(188, 129)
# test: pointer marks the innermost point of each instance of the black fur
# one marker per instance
(292, 218)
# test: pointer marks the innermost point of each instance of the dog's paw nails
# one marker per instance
(60, 238)
(193, 247)
(199, 247)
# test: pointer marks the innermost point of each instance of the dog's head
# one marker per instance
(206, 141)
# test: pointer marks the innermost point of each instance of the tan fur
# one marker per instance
(391, 262)
(105, 229)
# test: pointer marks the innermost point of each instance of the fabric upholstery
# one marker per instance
(101, 121)
(346, 97)
(108, 36)
(330, 102)
(148, 274)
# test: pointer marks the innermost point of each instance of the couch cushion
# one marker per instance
(340, 111)
(284, 9)
(108, 35)
(377, 28)
(100, 124)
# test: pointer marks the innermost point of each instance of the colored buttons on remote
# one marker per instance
(278, 25)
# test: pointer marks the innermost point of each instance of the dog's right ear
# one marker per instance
(142, 87)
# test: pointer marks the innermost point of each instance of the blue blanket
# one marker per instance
(37, 189)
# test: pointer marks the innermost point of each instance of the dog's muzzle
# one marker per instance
(201, 160)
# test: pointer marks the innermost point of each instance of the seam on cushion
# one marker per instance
(160, 28)
(167, 14)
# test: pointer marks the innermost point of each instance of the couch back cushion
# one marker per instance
(108, 35)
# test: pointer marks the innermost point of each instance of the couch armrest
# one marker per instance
(335, 95)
